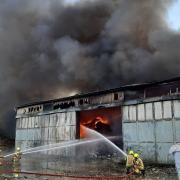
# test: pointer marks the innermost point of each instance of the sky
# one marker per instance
(173, 16)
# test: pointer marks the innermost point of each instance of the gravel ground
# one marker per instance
(86, 168)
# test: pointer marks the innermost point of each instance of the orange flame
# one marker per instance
(102, 120)
(91, 124)
(83, 132)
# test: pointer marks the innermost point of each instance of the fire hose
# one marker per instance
(67, 176)
(60, 175)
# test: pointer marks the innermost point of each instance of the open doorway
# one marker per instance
(107, 121)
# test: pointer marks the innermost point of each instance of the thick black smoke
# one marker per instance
(49, 49)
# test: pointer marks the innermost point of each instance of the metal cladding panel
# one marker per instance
(61, 119)
(37, 134)
(71, 118)
(164, 131)
(24, 123)
(163, 155)
(132, 113)
(73, 132)
(30, 122)
(141, 112)
(46, 121)
(20, 123)
(167, 110)
(33, 122)
(67, 133)
(177, 109)
(52, 133)
(154, 137)
(131, 145)
(130, 132)
(53, 120)
(47, 129)
(68, 118)
(149, 111)
(125, 115)
(147, 151)
(19, 135)
(22, 135)
(37, 122)
(158, 110)
(146, 131)
(30, 134)
(177, 130)
(44, 134)
(58, 120)
(60, 133)
(42, 121)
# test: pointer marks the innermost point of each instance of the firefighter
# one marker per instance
(17, 155)
(138, 165)
(130, 162)
(16, 162)
(1, 158)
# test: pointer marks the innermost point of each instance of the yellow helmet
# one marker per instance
(18, 149)
(136, 155)
(131, 152)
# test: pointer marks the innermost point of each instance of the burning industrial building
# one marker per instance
(144, 117)
(50, 49)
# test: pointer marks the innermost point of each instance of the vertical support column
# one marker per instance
(155, 140)
(77, 125)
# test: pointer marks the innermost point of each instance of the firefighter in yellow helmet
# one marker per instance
(16, 161)
(130, 162)
(17, 155)
(138, 165)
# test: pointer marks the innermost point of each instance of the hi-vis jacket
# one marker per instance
(139, 164)
(129, 160)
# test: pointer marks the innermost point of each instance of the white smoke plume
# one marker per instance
(48, 48)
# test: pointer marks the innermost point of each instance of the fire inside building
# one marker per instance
(145, 117)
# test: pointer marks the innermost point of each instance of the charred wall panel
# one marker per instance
(163, 90)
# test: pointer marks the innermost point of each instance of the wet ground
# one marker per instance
(77, 167)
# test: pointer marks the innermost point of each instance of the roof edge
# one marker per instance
(94, 93)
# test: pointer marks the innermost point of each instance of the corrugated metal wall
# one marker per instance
(152, 128)
(45, 129)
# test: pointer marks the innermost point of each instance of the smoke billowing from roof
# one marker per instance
(49, 49)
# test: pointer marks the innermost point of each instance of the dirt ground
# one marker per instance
(98, 167)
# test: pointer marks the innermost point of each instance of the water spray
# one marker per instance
(70, 144)
(107, 140)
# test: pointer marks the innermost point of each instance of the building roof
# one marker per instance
(131, 87)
